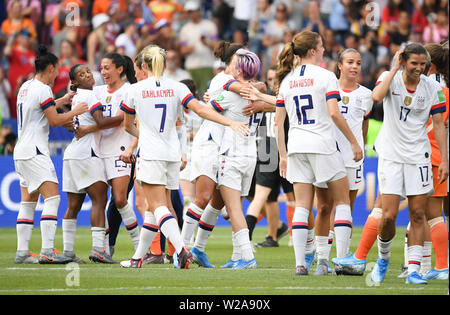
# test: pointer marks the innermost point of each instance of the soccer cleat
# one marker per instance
(268, 242)
(245, 264)
(309, 259)
(168, 259)
(50, 257)
(132, 263)
(301, 271)
(404, 273)
(150, 258)
(229, 264)
(25, 258)
(379, 270)
(74, 257)
(436, 274)
(322, 268)
(99, 255)
(415, 278)
(349, 265)
(282, 231)
(175, 260)
(184, 259)
(201, 259)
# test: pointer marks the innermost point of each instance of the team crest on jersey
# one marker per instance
(108, 99)
(408, 100)
(420, 101)
(345, 99)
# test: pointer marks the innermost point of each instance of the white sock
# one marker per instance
(49, 221)
(169, 227)
(236, 255)
(69, 227)
(300, 234)
(24, 225)
(310, 242)
(330, 240)
(193, 215)
(98, 236)
(415, 254)
(186, 204)
(384, 248)
(322, 247)
(130, 222)
(205, 226)
(243, 241)
(426, 255)
(106, 240)
(148, 233)
(342, 229)
(405, 246)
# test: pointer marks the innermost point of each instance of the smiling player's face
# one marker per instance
(84, 78)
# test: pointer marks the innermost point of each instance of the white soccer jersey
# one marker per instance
(234, 144)
(439, 78)
(114, 140)
(403, 136)
(193, 123)
(89, 145)
(32, 125)
(304, 92)
(157, 106)
(210, 130)
(355, 106)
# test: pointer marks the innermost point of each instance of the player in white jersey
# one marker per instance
(114, 142)
(36, 111)
(404, 167)
(355, 105)
(309, 94)
(84, 171)
(156, 103)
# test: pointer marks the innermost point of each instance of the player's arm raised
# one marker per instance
(382, 88)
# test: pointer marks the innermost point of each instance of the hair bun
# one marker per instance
(42, 50)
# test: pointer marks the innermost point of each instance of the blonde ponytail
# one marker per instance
(155, 59)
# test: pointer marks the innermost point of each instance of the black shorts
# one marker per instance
(272, 180)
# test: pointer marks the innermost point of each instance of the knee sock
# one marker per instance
(405, 246)
(24, 225)
(322, 247)
(251, 223)
(98, 236)
(147, 234)
(415, 254)
(155, 248)
(205, 227)
(236, 255)
(342, 229)
(309, 249)
(69, 227)
(193, 215)
(130, 222)
(439, 237)
(369, 234)
(243, 241)
(290, 209)
(300, 234)
(49, 222)
(169, 227)
(384, 248)
(114, 220)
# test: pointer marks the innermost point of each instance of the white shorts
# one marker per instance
(205, 161)
(310, 168)
(236, 173)
(35, 171)
(158, 173)
(115, 167)
(355, 178)
(405, 179)
(80, 174)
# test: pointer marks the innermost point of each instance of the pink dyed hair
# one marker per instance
(248, 62)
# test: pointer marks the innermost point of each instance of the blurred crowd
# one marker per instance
(83, 31)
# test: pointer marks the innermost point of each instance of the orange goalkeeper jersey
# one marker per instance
(435, 153)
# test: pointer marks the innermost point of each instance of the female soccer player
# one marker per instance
(84, 171)
(156, 103)
(355, 105)
(36, 110)
(309, 95)
(404, 167)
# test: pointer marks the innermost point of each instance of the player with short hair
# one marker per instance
(156, 102)
(309, 95)
(36, 111)
(404, 166)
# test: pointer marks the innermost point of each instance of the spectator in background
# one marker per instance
(422, 17)
(437, 30)
(165, 9)
(126, 42)
(97, 45)
(30, 9)
(402, 33)
(258, 25)
(339, 19)
(164, 36)
(173, 70)
(221, 16)
(243, 11)
(314, 22)
(68, 58)
(198, 38)
(109, 7)
(16, 22)
(21, 60)
(332, 49)
(9, 144)
(5, 94)
(359, 26)
(389, 19)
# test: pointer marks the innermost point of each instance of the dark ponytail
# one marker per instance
(44, 59)
(125, 62)
(225, 51)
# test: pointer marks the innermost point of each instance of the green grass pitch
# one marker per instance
(274, 276)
